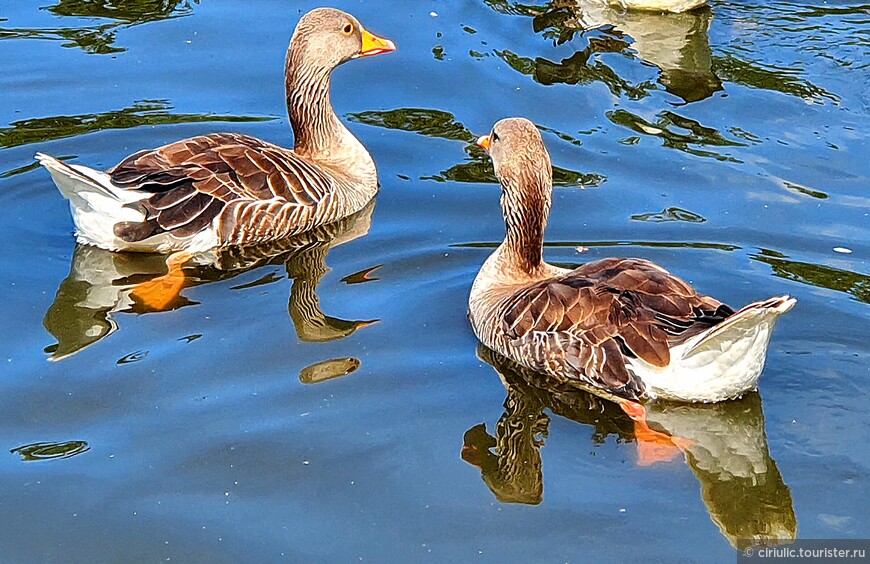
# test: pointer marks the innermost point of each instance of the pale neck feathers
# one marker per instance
(319, 134)
(526, 199)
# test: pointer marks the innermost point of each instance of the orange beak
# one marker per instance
(484, 141)
(374, 45)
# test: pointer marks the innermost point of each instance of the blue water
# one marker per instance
(728, 145)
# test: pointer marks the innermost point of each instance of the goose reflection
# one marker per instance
(724, 444)
(677, 43)
(100, 39)
(101, 284)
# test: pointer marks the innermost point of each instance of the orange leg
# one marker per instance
(652, 446)
(159, 294)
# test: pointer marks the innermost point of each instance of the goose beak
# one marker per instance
(484, 142)
(374, 45)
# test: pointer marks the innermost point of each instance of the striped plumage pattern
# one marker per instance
(253, 191)
(586, 322)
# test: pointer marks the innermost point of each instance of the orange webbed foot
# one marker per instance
(160, 293)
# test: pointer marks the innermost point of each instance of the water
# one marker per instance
(262, 416)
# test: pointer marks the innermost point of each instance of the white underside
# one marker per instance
(659, 5)
(97, 205)
(720, 364)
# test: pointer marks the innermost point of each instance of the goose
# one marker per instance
(622, 325)
(227, 189)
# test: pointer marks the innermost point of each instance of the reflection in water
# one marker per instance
(834, 31)
(580, 68)
(755, 75)
(143, 112)
(858, 285)
(126, 11)
(363, 276)
(724, 444)
(50, 451)
(130, 358)
(678, 44)
(100, 39)
(677, 132)
(443, 125)
(328, 369)
(100, 284)
(670, 214)
(804, 190)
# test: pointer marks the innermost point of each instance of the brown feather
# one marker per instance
(183, 213)
(604, 310)
(193, 179)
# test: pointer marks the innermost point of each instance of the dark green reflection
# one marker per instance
(142, 112)
(724, 444)
(29, 167)
(126, 11)
(858, 285)
(443, 125)
(733, 69)
(678, 44)
(677, 132)
(100, 284)
(670, 214)
(431, 123)
(50, 451)
(96, 40)
(577, 69)
(806, 191)
(132, 357)
(514, 8)
(100, 39)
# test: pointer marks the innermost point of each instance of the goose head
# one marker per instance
(326, 37)
(518, 154)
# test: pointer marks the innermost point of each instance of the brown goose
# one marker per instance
(626, 326)
(228, 189)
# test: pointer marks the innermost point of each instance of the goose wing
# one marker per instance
(584, 323)
(192, 181)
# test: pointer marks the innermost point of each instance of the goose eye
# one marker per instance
(348, 29)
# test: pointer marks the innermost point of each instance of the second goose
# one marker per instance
(622, 325)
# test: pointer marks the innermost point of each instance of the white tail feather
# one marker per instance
(742, 324)
(721, 363)
(96, 204)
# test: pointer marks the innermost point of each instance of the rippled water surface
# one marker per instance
(264, 414)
